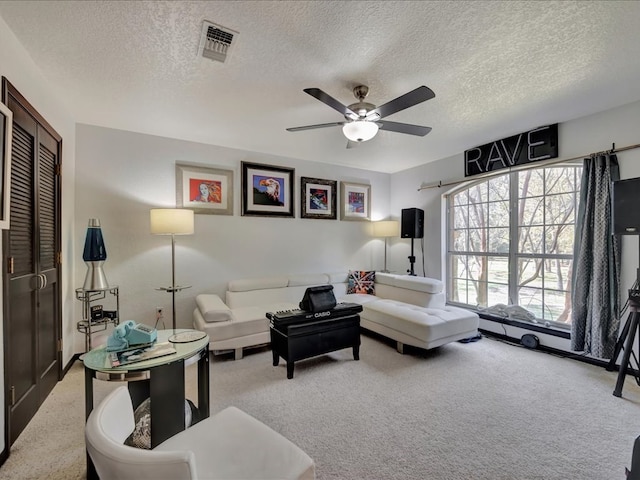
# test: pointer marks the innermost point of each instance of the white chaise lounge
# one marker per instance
(412, 311)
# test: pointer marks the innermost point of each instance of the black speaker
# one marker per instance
(626, 207)
(412, 223)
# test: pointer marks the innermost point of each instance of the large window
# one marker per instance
(511, 242)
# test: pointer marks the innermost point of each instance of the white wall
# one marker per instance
(19, 69)
(121, 175)
(577, 138)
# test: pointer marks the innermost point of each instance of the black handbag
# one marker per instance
(318, 299)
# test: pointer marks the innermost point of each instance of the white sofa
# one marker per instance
(239, 321)
(408, 309)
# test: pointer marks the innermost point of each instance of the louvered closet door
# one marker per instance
(32, 318)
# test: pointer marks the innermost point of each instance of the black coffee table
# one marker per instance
(315, 337)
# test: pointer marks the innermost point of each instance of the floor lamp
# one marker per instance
(386, 229)
(172, 221)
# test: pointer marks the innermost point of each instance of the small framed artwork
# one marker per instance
(318, 198)
(6, 129)
(204, 189)
(355, 201)
(267, 190)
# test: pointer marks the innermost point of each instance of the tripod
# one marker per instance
(626, 338)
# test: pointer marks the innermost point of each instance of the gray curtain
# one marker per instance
(596, 262)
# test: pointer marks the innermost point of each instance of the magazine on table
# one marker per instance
(144, 352)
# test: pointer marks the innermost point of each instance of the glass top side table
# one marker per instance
(98, 358)
(161, 379)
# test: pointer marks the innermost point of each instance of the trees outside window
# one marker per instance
(510, 241)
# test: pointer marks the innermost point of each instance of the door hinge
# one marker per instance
(10, 265)
(59, 258)
(58, 169)
(13, 395)
(59, 345)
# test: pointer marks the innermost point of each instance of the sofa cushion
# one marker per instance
(359, 298)
(213, 309)
(246, 321)
(247, 284)
(338, 277)
(361, 281)
(420, 284)
(386, 278)
(410, 282)
(302, 280)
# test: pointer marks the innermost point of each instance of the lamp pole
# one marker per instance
(173, 280)
(385, 256)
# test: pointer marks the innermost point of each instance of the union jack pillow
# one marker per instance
(361, 282)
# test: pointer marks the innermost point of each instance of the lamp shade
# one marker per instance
(94, 249)
(386, 228)
(360, 130)
(171, 221)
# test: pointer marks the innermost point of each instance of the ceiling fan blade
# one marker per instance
(418, 130)
(329, 100)
(419, 95)
(311, 127)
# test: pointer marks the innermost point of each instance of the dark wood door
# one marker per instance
(32, 278)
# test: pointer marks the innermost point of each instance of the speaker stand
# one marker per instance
(412, 260)
(625, 341)
(626, 338)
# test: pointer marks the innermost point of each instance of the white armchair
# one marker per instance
(228, 445)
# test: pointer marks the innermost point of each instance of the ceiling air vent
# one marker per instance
(216, 41)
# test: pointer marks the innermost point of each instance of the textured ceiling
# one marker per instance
(497, 68)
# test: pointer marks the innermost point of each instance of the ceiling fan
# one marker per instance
(364, 119)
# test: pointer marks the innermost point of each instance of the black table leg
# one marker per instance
(356, 352)
(167, 401)
(203, 385)
(276, 358)
(290, 369)
(88, 406)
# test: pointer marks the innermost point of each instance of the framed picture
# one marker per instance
(318, 198)
(355, 201)
(267, 190)
(6, 132)
(204, 189)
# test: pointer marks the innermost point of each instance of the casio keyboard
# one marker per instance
(289, 317)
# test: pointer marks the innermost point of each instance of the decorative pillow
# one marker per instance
(141, 435)
(361, 282)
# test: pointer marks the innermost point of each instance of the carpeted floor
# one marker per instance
(483, 410)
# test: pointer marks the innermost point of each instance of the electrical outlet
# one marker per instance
(159, 311)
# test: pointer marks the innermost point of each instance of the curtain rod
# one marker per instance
(523, 167)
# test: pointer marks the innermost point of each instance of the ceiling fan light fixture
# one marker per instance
(360, 130)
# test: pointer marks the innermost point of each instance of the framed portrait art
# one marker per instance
(355, 201)
(318, 198)
(204, 189)
(267, 190)
(6, 128)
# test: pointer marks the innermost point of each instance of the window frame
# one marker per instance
(514, 256)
